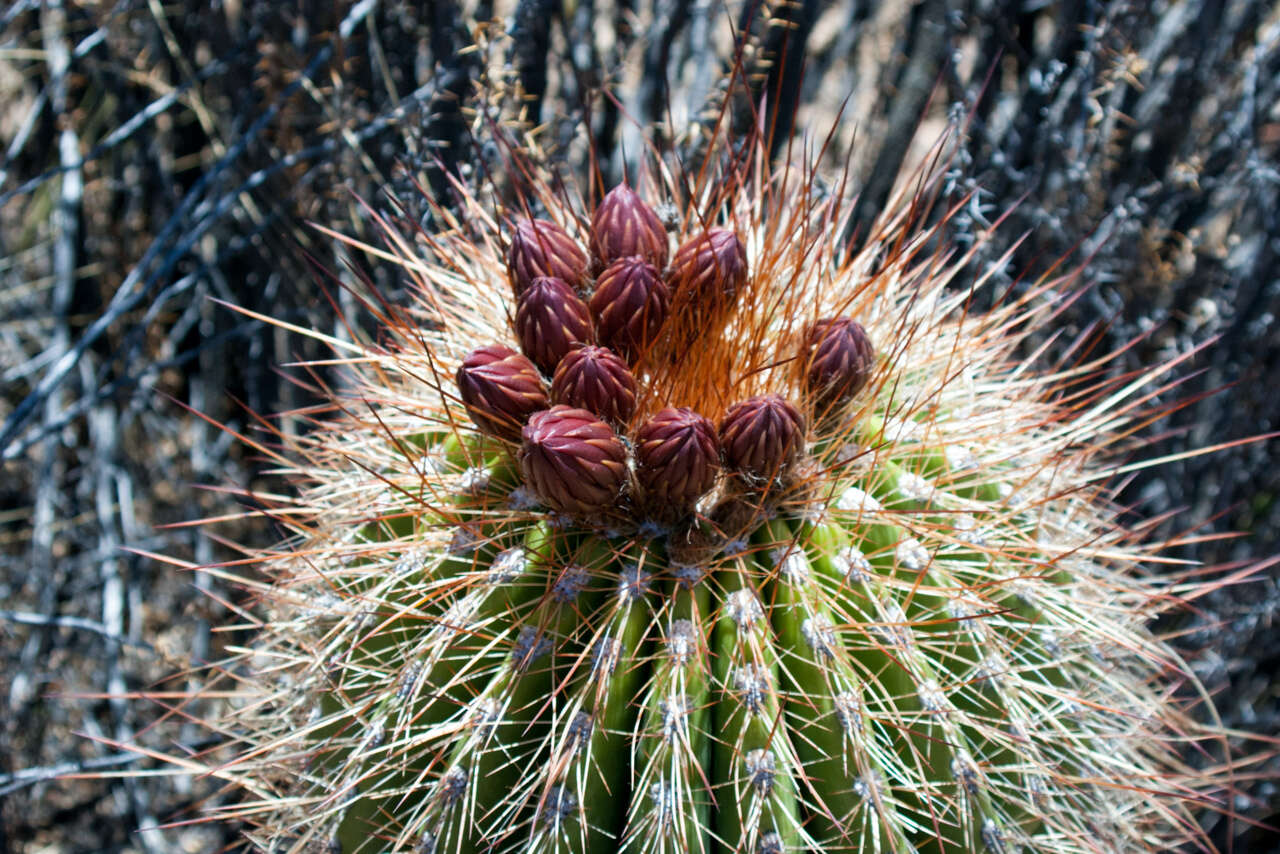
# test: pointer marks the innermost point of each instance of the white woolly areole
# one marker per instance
(752, 682)
(688, 575)
(855, 500)
(682, 643)
(412, 562)
(522, 499)
(463, 541)
(902, 430)
(912, 555)
(452, 785)
(571, 582)
(965, 771)
(770, 843)
(820, 635)
(960, 458)
(965, 528)
(559, 806)
(848, 712)
(434, 463)
(475, 480)
(913, 487)
(895, 631)
(632, 583)
(792, 566)
(663, 796)
(931, 697)
(509, 565)
(744, 609)
(761, 769)
(674, 716)
(852, 565)
(867, 787)
(650, 530)
(605, 655)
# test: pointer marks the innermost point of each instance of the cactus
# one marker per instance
(837, 571)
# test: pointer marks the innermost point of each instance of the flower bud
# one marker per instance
(629, 306)
(551, 320)
(595, 379)
(572, 461)
(710, 269)
(542, 248)
(624, 225)
(677, 458)
(762, 436)
(837, 359)
(500, 389)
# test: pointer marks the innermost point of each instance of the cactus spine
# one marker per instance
(883, 603)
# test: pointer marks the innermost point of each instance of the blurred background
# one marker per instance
(156, 158)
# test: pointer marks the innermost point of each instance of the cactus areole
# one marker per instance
(663, 584)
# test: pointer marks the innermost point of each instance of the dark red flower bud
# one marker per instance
(541, 248)
(710, 269)
(762, 436)
(551, 320)
(500, 389)
(630, 306)
(624, 225)
(572, 461)
(677, 458)
(595, 379)
(837, 359)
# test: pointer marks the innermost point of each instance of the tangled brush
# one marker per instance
(669, 524)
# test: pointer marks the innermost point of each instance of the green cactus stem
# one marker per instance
(741, 582)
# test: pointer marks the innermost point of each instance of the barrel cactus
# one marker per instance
(699, 533)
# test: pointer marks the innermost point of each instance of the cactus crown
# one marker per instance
(837, 571)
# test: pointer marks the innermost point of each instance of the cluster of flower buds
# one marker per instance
(597, 380)
(710, 271)
(837, 360)
(624, 227)
(762, 437)
(500, 390)
(540, 248)
(572, 460)
(572, 454)
(551, 322)
(677, 459)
